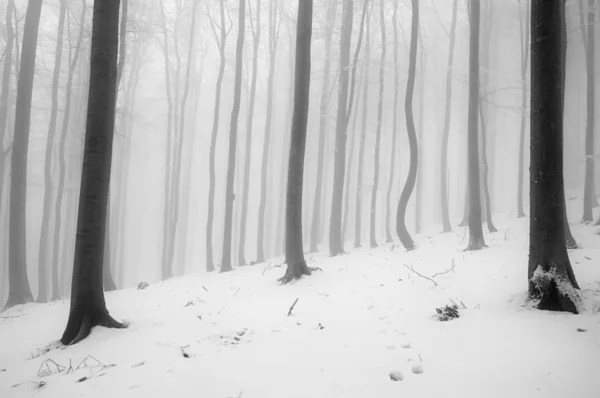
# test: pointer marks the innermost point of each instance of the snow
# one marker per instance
(364, 319)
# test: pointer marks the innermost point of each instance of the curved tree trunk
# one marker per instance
(373, 233)
(476, 241)
(294, 254)
(19, 290)
(403, 233)
(221, 42)
(249, 125)
(235, 113)
(336, 244)
(550, 275)
(88, 308)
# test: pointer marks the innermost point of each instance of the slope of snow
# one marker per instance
(359, 320)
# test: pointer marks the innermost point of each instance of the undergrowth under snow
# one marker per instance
(365, 325)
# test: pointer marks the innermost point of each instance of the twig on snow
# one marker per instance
(451, 269)
(292, 307)
(422, 276)
(11, 316)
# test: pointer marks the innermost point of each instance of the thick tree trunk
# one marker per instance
(249, 126)
(19, 290)
(336, 244)
(44, 246)
(373, 233)
(221, 42)
(403, 233)
(589, 192)
(235, 114)
(476, 241)
(273, 39)
(323, 125)
(88, 308)
(550, 275)
(525, 31)
(446, 224)
(294, 254)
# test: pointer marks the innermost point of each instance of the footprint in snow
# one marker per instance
(417, 368)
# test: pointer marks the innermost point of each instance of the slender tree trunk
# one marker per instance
(294, 249)
(476, 241)
(589, 192)
(524, 62)
(403, 233)
(249, 125)
(44, 246)
(323, 125)
(336, 244)
(550, 275)
(419, 182)
(373, 233)
(235, 113)
(88, 308)
(363, 135)
(19, 290)
(273, 39)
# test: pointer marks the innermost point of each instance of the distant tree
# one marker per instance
(525, 31)
(589, 192)
(476, 241)
(88, 308)
(373, 234)
(44, 246)
(19, 290)
(446, 225)
(249, 125)
(550, 275)
(235, 114)
(274, 28)
(294, 248)
(336, 244)
(221, 38)
(315, 238)
(403, 233)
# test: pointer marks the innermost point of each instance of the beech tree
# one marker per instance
(524, 31)
(550, 276)
(294, 248)
(88, 308)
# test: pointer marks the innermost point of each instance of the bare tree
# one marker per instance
(550, 275)
(403, 233)
(88, 308)
(294, 254)
(525, 31)
(19, 290)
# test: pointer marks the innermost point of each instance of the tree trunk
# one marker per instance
(589, 192)
(525, 30)
(43, 252)
(373, 234)
(19, 290)
(550, 276)
(403, 233)
(249, 125)
(419, 182)
(323, 125)
(294, 249)
(363, 135)
(273, 39)
(235, 113)
(476, 241)
(88, 308)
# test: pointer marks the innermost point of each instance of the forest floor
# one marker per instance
(357, 319)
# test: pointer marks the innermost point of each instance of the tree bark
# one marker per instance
(403, 233)
(88, 308)
(373, 233)
(550, 275)
(589, 191)
(294, 248)
(525, 31)
(476, 241)
(19, 290)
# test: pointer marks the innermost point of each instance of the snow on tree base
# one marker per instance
(554, 291)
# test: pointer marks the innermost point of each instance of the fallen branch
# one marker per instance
(451, 269)
(11, 316)
(422, 276)
(292, 307)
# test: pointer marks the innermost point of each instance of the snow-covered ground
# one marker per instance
(359, 318)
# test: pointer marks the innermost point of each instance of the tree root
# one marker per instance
(295, 270)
